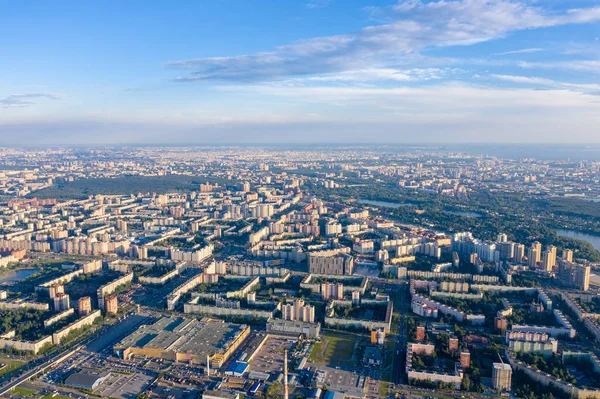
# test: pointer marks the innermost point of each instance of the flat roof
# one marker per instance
(220, 394)
(183, 335)
(86, 378)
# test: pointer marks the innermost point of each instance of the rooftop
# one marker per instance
(184, 335)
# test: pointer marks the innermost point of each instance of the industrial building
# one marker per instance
(184, 340)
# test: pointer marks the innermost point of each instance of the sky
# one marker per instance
(299, 71)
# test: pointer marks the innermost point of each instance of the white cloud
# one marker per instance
(584, 87)
(525, 79)
(25, 100)
(574, 65)
(521, 51)
(415, 25)
(319, 3)
(377, 74)
(447, 97)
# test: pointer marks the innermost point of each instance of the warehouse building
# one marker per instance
(184, 340)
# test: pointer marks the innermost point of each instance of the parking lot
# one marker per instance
(178, 391)
(121, 386)
(269, 358)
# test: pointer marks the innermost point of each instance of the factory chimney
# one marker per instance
(285, 374)
(207, 365)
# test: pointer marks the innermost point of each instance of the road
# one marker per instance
(51, 360)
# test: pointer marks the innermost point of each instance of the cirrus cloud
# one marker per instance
(412, 27)
(25, 100)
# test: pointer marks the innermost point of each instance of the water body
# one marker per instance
(464, 213)
(592, 239)
(591, 199)
(14, 276)
(385, 203)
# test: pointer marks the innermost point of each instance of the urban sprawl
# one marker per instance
(297, 273)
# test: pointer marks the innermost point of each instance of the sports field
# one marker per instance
(335, 349)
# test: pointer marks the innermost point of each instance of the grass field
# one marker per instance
(23, 392)
(334, 349)
(11, 365)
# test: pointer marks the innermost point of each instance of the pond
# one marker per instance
(464, 213)
(592, 239)
(13, 276)
(385, 203)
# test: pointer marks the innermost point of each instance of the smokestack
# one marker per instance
(207, 365)
(285, 374)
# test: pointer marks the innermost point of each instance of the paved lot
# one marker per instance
(342, 379)
(180, 392)
(269, 358)
(121, 386)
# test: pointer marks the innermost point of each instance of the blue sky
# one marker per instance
(225, 71)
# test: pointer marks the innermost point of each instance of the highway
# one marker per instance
(52, 360)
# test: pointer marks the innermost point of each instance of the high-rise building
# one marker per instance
(332, 229)
(264, 210)
(465, 359)
(549, 258)
(378, 336)
(507, 250)
(355, 298)
(340, 264)
(502, 237)
(62, 302)
(333, 291)
(501, 376)
(574, 275)
(420, 333)
(534, 255)
(519, 253)
(453, 344)
(111, 304)
(567, 254)
(298, 311)
(84, 306)
(501, 324)
(251, 298)
(55, 290)
(538, 247)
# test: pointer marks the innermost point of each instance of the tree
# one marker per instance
(466, 383)
(273, 391)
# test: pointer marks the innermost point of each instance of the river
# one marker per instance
(592, 239)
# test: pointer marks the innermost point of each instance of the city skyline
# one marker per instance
(315, 71)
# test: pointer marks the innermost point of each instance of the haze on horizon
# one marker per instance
(268, 71)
